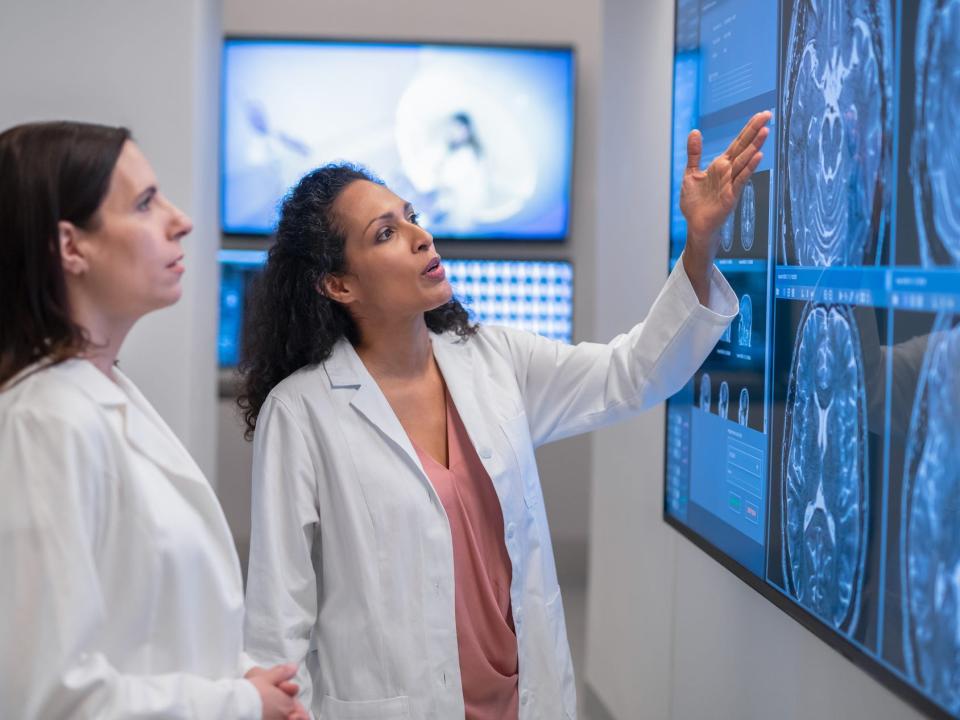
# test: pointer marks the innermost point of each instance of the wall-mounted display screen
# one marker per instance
(534, 295)
(478, 138)
(817, 451)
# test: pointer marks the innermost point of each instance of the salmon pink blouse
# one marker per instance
(485, 632)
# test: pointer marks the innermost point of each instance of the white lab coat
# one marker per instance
(351, 563)
(122, 594)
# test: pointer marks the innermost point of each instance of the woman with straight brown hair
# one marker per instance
(122, 589)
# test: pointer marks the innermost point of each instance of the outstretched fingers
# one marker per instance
(741, 160)
(694, 150)
(740, 179)
(748, 134)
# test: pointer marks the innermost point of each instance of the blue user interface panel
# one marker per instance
(833, 401)
(478, 138)
(534, 295)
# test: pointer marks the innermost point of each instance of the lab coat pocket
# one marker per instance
(395, 708)
(517, 430)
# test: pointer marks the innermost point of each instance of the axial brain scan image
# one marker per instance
(723, 402)
(930, 526)
(745, 324)
(935, 154)
(726, 234)
(705, 392)
(748, 215)
(837, 131)
(825, 499)
(743, 412)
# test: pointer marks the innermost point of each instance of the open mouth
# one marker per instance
(432, 265)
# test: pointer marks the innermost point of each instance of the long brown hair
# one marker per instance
(49, 172)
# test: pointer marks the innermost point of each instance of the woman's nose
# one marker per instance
(423, 239)
(181, 224)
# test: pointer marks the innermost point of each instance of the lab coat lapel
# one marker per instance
(145, 430)
(347, 372)
(149, 434)
(455, 358)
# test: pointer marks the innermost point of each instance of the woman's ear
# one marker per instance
(71, 256)
(336, 287)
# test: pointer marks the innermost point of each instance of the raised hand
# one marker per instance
(708, 196)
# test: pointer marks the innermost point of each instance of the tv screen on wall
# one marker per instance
(816, 453)
(478, 138)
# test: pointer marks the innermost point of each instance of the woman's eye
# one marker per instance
(144, 204)
(384, 234)
(414, 218)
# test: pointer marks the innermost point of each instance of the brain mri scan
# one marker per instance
(745, 324)
(935, 153)
(705, 392)
(824, 473)
(727, 333)
(743, 412)
(836, 131)
(748, 216)
(726, 234)
(930, 523)
(723, 402)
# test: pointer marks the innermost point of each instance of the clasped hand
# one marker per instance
(277, 693)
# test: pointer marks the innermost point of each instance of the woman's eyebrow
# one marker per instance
(388, 215)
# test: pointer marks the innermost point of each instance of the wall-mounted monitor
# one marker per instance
(816, 453)
(238, 268)
(479, 138)
(534, 295)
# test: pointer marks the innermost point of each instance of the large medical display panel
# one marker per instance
(533, 295)
(837, 493)
(478, 138)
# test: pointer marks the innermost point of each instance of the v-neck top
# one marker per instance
(486, 637)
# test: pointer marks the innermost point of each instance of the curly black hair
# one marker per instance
(289, 323)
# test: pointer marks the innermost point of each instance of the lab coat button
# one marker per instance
(486, 453)
(524, 697)
(511, 531)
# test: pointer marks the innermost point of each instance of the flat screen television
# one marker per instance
(816, 453)
(534, 295)
(479, 138)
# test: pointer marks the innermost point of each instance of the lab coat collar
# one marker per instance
(455, 358)
(145, 430)
(345, 370)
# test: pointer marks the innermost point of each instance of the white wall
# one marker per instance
(153, 68)
(670, 633)
(564, 467)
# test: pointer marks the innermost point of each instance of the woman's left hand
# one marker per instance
(707, 197)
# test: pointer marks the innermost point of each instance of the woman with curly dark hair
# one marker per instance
(400, 546)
